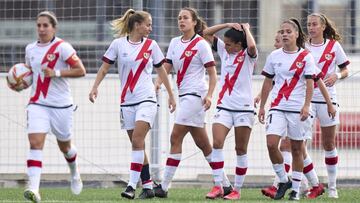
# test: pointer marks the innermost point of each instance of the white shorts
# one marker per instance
(145, 111)
(320, 111)
(42, 119)
(236, 119)
(280, 123)
(191, 111)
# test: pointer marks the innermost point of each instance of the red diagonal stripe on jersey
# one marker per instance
(327, 57)
(132, 79)
(43, 86)
(286, 89)
(229, 83)
(188, 54)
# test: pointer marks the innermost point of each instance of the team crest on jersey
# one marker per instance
(240, 59)
(299, 64)
(328, 57)
(188, 53)
(50, 57)
(146, 55)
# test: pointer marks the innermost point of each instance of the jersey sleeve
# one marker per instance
(268, 70)
(310, 67)
(157, 55)
(111, 53)
(169, 58)
(219, 47)
(27, 56)
(205, 53)
(341, 59)
(68, 54)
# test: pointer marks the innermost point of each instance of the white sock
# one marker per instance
(137, 160)
(70, 157)
(296, 180)
(172, 163)
(309, 172)
(280, 172)
(287, 160)
(217, 165)
(34, 166)
(241, 168)
(331, 161)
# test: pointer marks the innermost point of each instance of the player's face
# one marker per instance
(185, 21)
(278, 43)
(230, 46)
(145, 27)
(288, 34)
(315, 27)
(45, 29)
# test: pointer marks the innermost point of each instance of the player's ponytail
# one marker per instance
(124, 25)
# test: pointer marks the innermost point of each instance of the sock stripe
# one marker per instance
(308, 168)
(240, 171)
(217, 165)
(136, 167)
(172, 162)
(287, 168)
(34, 163)
(331, 160)
(72, 159)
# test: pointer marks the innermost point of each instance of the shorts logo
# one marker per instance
(146, 55)
(50, 57)
(188, 53)
(328, 57)
(240, 59)
(299, 64)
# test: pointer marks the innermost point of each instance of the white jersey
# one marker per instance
(289, 71)
(236, 78)
(327, 56)
(135, 64)
(189, 60)
(55, 91)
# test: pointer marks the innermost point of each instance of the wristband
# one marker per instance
(338, 75)
(57, 73)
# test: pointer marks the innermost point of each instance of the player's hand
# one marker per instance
(93, 95)
(245, 26)
(172, 104)
(261, 115)
(304, 113)
(207, 102)
(330, 80)
(236, 26)
(48, 72)
(331, 111)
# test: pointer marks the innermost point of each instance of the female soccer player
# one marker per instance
(50, 107)
(292, 69)
(136, 55)
(325, 47)
(238, 56)
(190, 55)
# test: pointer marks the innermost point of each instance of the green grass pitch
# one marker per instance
(175, 195)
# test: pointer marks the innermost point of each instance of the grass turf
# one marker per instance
(175, 195)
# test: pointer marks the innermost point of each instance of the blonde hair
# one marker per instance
(125, 24)
(50, 15)
(330, 31)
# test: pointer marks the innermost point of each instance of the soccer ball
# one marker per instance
(19, 77)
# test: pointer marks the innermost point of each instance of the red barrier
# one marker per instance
(347, 133)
